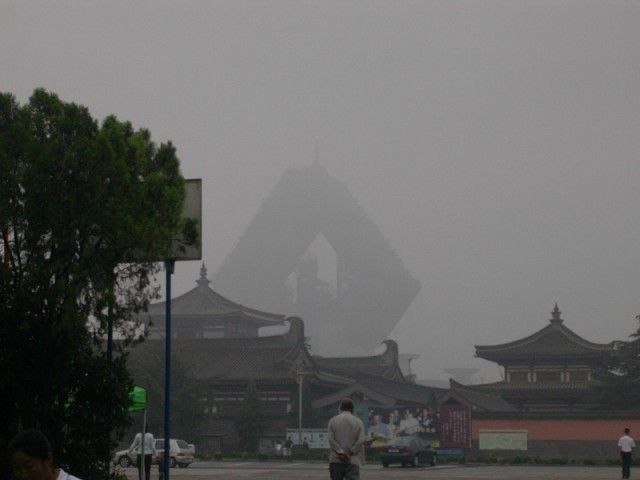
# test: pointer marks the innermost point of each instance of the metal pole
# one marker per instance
(142, 465)
(300, 379)
(169, 266)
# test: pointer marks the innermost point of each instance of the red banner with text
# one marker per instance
(455, 426)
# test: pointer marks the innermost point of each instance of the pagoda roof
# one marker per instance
(554, 342)
(269, 358)
(385, 392)
(202, 301)
(386, 365)
(477, 399)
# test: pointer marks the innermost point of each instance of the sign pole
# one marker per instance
(169, 267)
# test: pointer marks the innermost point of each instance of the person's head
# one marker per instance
(31, 456)
(627, 431)
(346, 405)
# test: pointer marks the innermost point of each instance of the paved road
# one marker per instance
(316, 471)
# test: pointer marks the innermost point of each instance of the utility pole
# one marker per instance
(169, 266)
(300, 373)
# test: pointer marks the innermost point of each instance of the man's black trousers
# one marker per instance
(147, 467)
(626, 464)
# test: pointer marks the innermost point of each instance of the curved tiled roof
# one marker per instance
(384, 365)
(202, 301)
(553, 342)
(266, 358)
(386, 392)
(476, 398)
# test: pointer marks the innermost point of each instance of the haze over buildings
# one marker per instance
(494, 144)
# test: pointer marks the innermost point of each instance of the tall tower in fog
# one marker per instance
(311, 250)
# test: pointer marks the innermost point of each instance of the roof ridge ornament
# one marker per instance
(391, 353)
(555, 315)
(203, 281)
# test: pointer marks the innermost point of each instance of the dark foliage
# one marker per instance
(620, 376)
(78, 200)
(187, 405)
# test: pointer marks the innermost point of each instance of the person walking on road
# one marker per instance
(626, 446)
(149, 446)
(346, 442)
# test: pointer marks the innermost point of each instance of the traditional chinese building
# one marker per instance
(550, 370)
(218, 346)
(203, 313)
(548, 405)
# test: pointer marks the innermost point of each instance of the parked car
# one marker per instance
(408, 451)
(181, 452)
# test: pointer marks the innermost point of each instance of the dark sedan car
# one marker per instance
(412, 451)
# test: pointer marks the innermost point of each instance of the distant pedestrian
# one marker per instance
(149, 446)
(626, 446)
(286, 449)
(346, 443)
(305, 446)
(31, 458)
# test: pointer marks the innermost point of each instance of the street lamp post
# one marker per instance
(300, 380)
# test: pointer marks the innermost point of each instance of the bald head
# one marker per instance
(346, 404)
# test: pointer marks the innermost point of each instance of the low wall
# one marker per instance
(570, 439)
(579, 451)
(559, 429)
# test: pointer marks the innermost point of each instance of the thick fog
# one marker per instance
(495, 144)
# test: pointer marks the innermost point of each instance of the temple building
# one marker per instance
(216, 344)
(203, 313)
(551, 370)
(548, 405)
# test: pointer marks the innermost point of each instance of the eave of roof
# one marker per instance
(384, 365)
(477, 399)
(269, 358)
(205, 302)
(533, 346)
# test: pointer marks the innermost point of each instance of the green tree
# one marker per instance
(187, 405)
(78, 199)
(620, 376)
(249, 421)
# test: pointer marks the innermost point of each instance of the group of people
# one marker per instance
(284, 449)
(399, 424)
(31, 456)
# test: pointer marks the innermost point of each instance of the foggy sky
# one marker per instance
(495, 144)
